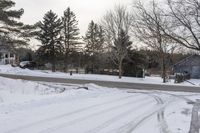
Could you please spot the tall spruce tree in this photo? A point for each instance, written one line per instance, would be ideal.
(94, 40)
(15, 32)
(70, 35)
(49, 35)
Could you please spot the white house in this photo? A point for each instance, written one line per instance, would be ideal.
(6, 56)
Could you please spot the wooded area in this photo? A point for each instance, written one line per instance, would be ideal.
(126, 42)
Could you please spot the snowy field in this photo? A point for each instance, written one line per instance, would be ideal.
(32, 107)
(7, 69)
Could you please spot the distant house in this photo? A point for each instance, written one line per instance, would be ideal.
(7, 56)
(189, 65)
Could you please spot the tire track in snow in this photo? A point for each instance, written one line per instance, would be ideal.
(160, 112)
(160, 116)
(131, 126)
(68, 114)
(195, 118)
(68, 123)
(177, 96)
(117, 118)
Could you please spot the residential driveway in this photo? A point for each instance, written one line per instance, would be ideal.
(138, 86)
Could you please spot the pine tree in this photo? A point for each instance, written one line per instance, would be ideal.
(94, 40)
(49, 35)
(70, 35)
(120, 50)
(15, 32)
(8, 17)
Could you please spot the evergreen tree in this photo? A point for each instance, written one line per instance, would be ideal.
(94, 40)
(49, 35)
(120, 49)
(135, 63)
(70, 35)
(8, 17)
(15, 32)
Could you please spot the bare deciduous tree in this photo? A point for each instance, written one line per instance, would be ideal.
(148, 27)
(185, 22)
(114, 22)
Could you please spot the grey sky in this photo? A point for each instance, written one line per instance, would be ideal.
(85, 10)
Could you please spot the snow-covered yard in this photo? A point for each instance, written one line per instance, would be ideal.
(32, 107)
(7, 69)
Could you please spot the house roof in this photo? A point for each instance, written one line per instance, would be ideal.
(189, 60)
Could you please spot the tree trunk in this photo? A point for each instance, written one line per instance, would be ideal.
(93, 63)
(66, 62)
(67, 43)
(53, 67)
(53, 58)
(120, 69)
(163, 68)
(53, 63)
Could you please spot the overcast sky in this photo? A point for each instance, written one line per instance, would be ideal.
(85, 10)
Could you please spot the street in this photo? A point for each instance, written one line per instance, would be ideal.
(110, 84)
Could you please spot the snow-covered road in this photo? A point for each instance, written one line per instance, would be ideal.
(31, 107)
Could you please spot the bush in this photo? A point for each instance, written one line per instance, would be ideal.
(180, 77)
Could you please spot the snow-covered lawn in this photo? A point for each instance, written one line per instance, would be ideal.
(32, 107)
(7, 69)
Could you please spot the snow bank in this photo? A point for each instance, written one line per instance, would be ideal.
(26, 87)
(11, 90)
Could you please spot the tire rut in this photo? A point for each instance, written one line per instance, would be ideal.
(65, 124)
(131, 126)
(116, 118)
(67, 114)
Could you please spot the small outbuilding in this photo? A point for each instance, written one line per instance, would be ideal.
(190, 66)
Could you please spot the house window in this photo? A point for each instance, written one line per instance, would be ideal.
(6, 55)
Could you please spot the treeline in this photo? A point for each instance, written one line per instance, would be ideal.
(139, 59)
(163, 28)
(61, 43)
